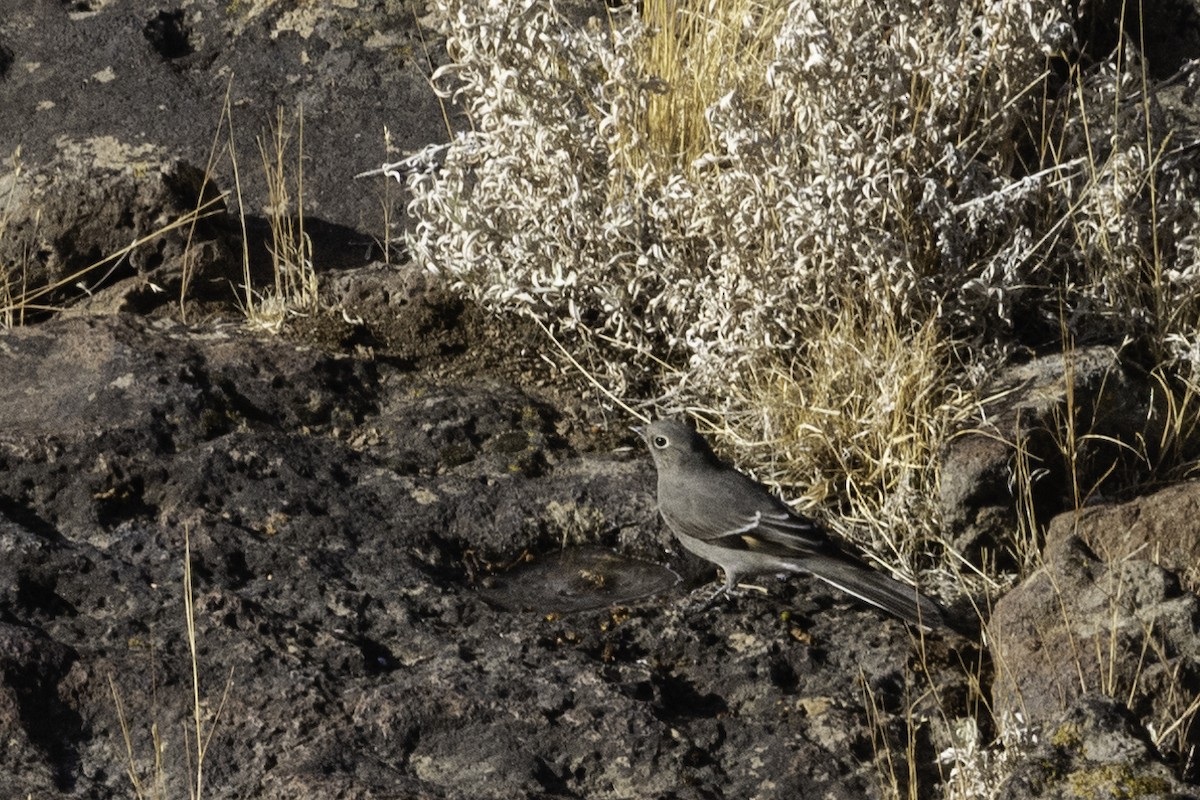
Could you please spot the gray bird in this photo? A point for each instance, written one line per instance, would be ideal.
(730, 520)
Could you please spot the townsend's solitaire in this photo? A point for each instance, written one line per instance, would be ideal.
(726, 518)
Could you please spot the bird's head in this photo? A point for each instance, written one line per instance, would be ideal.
(674, 443)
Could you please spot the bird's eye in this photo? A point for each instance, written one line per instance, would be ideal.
(660, 442)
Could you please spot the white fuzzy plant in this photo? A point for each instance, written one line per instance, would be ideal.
(835, 184)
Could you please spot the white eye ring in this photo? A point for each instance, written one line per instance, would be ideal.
(661, 442)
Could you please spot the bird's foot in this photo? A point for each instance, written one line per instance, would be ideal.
(706, 597)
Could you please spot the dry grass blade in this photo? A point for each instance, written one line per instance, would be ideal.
(295, 279)
(131, 767)
(189, 255)
(203, 724)
(203, 737)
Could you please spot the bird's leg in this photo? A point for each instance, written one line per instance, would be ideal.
(727, 590)
(704, 597)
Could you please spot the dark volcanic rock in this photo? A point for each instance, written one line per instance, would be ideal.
(1092, 749)
(1081, 627)
(145, 73)
(1163, 527)
(343, 516)
(1088, 400)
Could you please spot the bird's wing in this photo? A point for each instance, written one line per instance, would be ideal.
(741, 514)
(780, 533)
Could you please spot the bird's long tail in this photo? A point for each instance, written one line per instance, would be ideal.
(898, 599)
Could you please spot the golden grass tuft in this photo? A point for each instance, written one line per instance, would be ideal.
(294, 290)
(858, 419)
(699, 51)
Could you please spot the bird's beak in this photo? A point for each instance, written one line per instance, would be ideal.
(639, 430)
